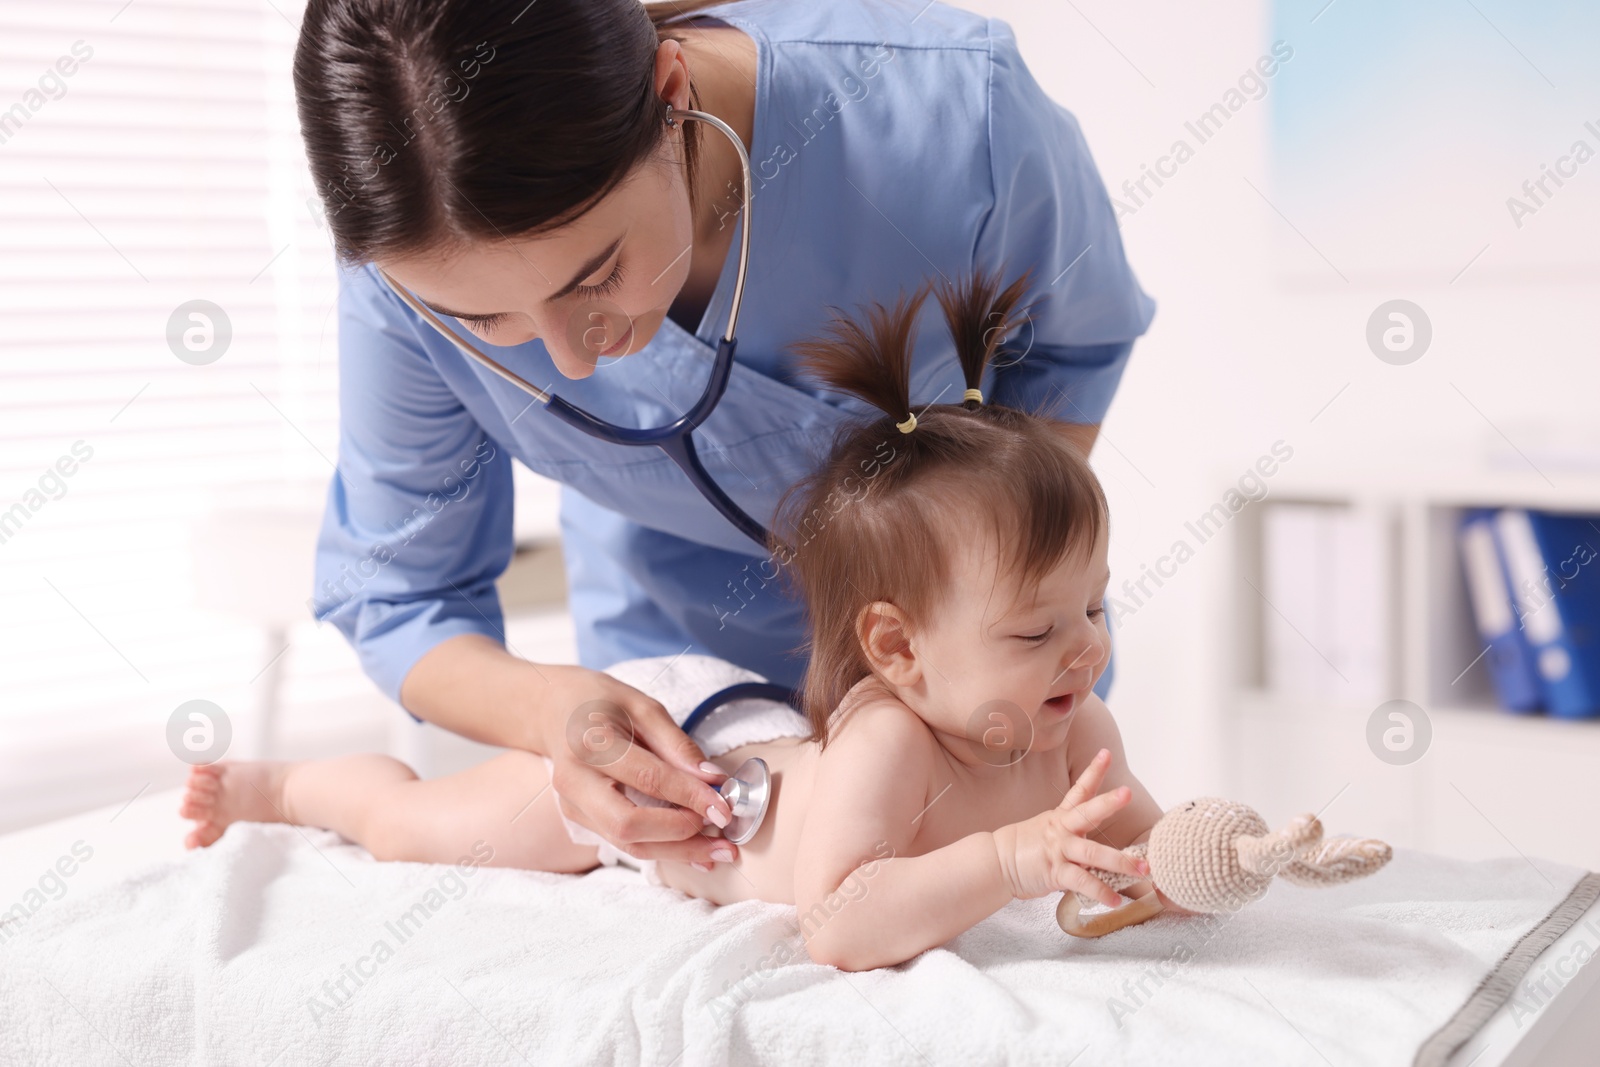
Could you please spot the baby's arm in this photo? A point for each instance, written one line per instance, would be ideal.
(861, 901)
(1093, 728)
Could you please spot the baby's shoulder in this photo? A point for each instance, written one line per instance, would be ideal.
(1093, 728)
(874, 722)
(875, 774)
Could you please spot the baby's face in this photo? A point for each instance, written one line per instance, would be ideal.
(1007, 675)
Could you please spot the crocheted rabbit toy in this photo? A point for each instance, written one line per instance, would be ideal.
(1212, 855)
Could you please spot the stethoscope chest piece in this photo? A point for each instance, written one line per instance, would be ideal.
(748, 791)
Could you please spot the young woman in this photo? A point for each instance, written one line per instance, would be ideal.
(516, 167)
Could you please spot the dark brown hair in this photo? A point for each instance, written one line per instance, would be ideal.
(432, 121)
(844, 548)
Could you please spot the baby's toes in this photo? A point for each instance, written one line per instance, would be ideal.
(203, 836)
(200, 796)
(196, 807)
(197, 798)
(205, 778)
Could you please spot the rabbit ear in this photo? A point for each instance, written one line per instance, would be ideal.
(1268, 854)
(1341, 859)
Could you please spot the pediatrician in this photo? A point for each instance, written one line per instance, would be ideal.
(516, 168)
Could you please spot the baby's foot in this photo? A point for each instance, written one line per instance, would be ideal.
(221, 794)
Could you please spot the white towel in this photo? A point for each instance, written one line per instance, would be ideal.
(234, 954)
(681, 683)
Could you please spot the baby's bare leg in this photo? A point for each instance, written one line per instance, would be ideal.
(378, 802)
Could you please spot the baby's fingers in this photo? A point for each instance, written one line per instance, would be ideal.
(1072, 878)
(1089, 781)
(1089, 853)
(1091, 813)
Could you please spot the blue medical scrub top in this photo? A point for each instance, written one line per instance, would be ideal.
(892, 142)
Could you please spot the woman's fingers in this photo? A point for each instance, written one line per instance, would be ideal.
(621, 736)
(694, 849)
(652, 776)
(601, 807)
(700, 849)
(616, 736)
(682, 780)
(659, 733)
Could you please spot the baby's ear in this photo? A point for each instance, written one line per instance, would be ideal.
(884, 634)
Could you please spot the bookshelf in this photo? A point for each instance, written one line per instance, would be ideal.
(1487, 783)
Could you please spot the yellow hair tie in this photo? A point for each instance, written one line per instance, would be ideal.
(972, 394)
(909, 425)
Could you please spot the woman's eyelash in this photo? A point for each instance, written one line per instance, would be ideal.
(607, 286)
(489, 322)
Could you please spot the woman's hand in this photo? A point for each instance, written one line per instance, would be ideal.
(1049, 852)
(601, 734)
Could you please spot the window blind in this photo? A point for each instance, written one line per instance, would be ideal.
(149, 157)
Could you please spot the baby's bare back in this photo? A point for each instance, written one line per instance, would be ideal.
(956, 801)
(765, 868)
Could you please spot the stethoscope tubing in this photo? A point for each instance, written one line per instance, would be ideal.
(674, 438)
(740, 691)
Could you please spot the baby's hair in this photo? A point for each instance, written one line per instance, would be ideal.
(866, 525)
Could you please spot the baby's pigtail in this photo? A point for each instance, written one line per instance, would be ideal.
(979, 318)
(871, 363)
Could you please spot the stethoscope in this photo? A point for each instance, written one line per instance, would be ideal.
(749, 789)
(674, 438)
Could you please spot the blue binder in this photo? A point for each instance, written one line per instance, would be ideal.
(1508, 658)
(1554, 565)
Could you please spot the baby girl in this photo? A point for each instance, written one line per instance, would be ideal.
(953, 564)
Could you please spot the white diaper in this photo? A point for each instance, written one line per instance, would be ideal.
(681, 683)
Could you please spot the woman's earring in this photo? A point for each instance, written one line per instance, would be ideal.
(670, 120)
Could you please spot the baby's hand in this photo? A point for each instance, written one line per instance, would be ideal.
(1048, 853)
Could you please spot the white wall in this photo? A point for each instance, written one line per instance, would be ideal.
(1255, 334)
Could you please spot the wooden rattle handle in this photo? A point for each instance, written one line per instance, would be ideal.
(1130, 914)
